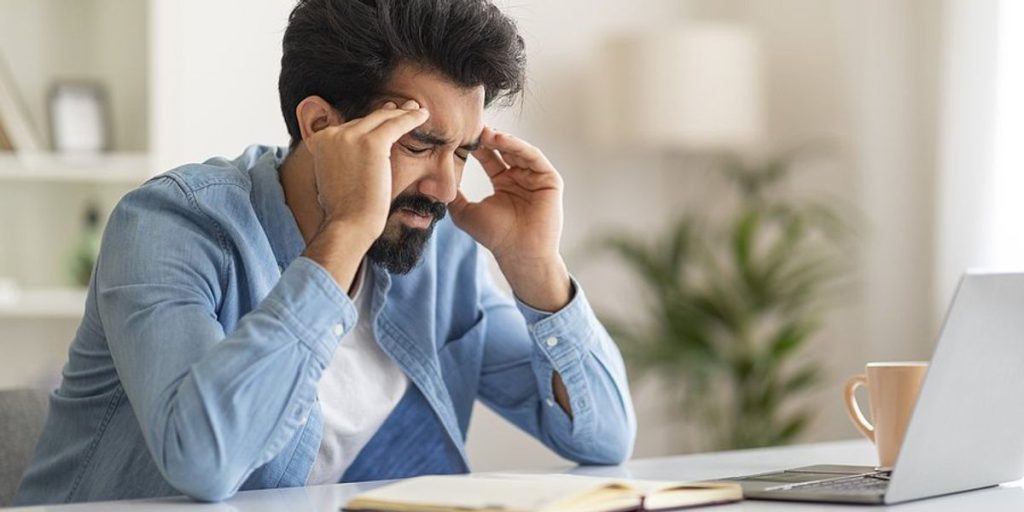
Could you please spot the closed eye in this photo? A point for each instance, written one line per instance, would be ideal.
(415, 150)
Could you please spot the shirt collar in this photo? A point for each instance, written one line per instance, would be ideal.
(274, 215)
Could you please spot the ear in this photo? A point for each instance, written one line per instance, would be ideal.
(314, 114)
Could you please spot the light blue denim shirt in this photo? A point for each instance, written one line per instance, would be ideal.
(195, 367)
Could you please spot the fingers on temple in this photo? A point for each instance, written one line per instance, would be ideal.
(491, 161)
(517, 152)
(391, 122)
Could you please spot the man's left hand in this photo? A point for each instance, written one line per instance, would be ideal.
(521, 222)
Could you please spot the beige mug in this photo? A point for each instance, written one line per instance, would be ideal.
(892, 393)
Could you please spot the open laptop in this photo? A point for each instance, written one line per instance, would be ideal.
(967, 428)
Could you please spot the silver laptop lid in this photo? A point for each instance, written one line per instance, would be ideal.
(967, 430)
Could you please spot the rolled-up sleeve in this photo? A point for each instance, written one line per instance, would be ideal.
(212, 406)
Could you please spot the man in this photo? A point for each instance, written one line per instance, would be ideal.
(324, 314)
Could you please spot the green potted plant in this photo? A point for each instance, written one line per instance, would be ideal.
(732, 303)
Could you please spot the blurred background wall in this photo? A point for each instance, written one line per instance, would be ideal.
(886, 83)
(860, 74)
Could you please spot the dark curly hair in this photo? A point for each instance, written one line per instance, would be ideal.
(345, 50)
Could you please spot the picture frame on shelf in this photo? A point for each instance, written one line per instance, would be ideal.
(79, 117)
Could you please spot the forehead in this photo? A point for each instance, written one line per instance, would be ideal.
(456, 112)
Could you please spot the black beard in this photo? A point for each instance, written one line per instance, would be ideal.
(400, 255)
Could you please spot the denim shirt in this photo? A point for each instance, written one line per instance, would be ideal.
(205, 332)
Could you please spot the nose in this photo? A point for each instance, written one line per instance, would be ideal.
(441, 182)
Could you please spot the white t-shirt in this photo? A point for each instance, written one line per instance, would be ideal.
(358, 390)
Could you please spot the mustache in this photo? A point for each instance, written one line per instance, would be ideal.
(420, 204)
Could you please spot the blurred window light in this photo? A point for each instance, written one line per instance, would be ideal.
(1005, 237)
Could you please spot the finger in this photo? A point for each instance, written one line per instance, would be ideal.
(535, 181)
(463, 213)
(458, 206)
(517, 152)
(392, 129)
(490, 160)
(371, 121)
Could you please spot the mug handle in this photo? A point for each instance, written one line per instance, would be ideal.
(853, 410)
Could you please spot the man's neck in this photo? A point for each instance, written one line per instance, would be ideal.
(299, 184)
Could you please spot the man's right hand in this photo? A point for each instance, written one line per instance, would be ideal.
(352, 167)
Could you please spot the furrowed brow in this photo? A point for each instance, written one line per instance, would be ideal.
(428, 138)
(436, 140)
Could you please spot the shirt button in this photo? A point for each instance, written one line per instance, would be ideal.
(551, 341)
(338, 330)
(550, 402)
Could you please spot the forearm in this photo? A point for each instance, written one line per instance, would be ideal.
(541, 283)
(339, 247)
(244, 400)
(561, 394)
(581, 363)
(569, 347)
(214, 406)
(588, 382)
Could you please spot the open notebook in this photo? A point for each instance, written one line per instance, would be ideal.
(538, 493)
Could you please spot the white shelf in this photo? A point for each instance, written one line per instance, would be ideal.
(119, 168)
(53, 303)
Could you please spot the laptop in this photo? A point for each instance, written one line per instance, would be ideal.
(967, 428)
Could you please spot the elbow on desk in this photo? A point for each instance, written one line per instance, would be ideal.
(605, 449)
(203, 486)
(201, 471)
(613, 443)
(610, 453)
(601, 453)
(196, 458)
(604, 459)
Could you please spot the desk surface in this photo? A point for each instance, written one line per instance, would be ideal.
(329, 498)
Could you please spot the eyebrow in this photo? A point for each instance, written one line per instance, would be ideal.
(428, 137)
(437, 140)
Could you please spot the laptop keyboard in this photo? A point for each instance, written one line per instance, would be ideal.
(861, 485)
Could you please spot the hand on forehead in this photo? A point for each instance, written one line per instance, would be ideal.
(456, 112)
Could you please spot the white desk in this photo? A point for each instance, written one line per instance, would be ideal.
(329, 498)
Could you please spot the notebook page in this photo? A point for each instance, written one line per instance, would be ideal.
(478, 492)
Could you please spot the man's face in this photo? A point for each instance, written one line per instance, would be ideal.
(427, 163)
